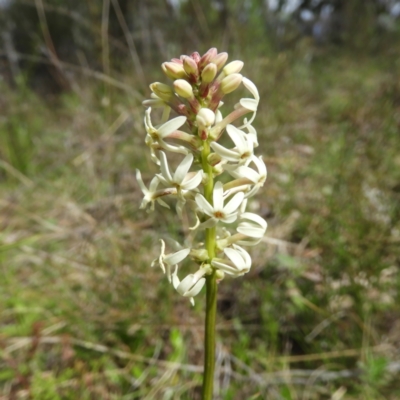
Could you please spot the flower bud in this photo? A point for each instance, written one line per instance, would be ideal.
(219, 60)
(213, 159)
(162, 90)
(207, 57)
(230, 83)
(208, 73)
(174, 70)
(199, 254)
(190, 66)
(205, 117)
(196, 57)
(233, 67)
(219, 275)
(183, 89)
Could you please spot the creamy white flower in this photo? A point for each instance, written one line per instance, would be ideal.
(252, 226)
(191, 285)
(244, 174)
(243, 150)
(151, 195)
(166, 261)
(181, 180)
(237, 264)
(218, 212)
(156, 135)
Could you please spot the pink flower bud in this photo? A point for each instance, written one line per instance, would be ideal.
(174, 70)
(176, 60)
(207, 57)
(190, 66)
(196, 57)
(183, 89)
(219, 60)
(209, 73)
(230, 83)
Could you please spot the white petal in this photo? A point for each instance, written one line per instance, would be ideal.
(244, 254)
(255, 218)
(171, 126)
(175, 279)
(223, 265)
(249, 104)
(243, 172)
(262, 168)
(140, 182)
(228, 219)
(186, 284)
(234, 203)
(204, 205)
(235, 257)
(195, 290)
(175, 258)
(164, 167)
(251, 87)
(251, 231)
(237, 137)
(183, 169)
(218, 199)
(193, 182)
(229, 155)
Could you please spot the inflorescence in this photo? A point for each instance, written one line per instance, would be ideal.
(212, 183)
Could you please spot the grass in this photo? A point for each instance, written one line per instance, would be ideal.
(82, 314)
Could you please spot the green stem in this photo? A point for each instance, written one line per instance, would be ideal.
(211, 289)
(209, 339)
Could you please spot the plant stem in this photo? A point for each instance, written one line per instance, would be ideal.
(209, 339)
(211, 289)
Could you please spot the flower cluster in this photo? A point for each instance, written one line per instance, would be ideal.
(214, 181)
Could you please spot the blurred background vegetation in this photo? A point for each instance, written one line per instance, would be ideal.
(82, 315)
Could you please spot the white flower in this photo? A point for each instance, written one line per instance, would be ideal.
(248, 175)
(156, 135)
(167, 261)
(181, 180)
(243, 150)
(250, 104)
(217, 212)
(191, 285)
(238, 264)
(152, 194)
(252, 226)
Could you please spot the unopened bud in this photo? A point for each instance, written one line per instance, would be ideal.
(214, 159)
(190, 66)
(208, 73)
(219, 275)
(233, 67)
(183, 88)
(205, 117)
(174, 70)
(199, 254)
(207, 57)
(230, 83)
(162, 90)
(196, 57)
(219, 60)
